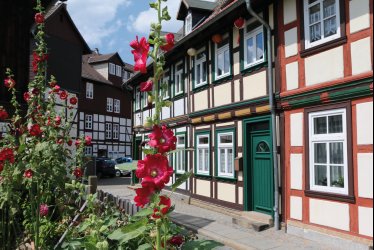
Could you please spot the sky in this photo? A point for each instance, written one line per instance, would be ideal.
(110, 25)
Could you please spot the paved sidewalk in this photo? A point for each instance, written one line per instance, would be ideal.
(219, 227)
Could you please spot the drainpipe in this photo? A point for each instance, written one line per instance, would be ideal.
(273, 111)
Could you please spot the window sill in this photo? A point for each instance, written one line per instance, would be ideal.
(200, 88)
(203, 176)
(226, 179)
(223, 79)
(323, 47)
(254, 68)
(178, 96)
(330, 196)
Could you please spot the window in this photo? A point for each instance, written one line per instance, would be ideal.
(203, 154)
(188, 24)
(109, 104)
(200, 68)
(116, 131)
(223, 58)
(328, 151)
(137, 99)
(165, 85)
(118, 71)
(108, 131)
(180, 156)
(179, 80)
(88, 122)
(117, 106)
(89, 90)
(254, 46)
(145, 99)
(88, 151)
(225, 154)
(322, 21)
(112, 69)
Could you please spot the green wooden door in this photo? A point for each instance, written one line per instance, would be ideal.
(262, 173)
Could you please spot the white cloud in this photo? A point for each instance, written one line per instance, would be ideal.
(96, 19)
(142, 23)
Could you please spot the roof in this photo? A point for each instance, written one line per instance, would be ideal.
(195, 4)
(95, 58)
(89, 72)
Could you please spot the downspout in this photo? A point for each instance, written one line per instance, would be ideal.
(273, 111)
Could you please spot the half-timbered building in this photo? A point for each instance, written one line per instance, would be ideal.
(105, 108)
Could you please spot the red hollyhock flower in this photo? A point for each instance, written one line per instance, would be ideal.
(39, 18)
(73, 101)
(56, 89)
(165, 202)
(58, 120)
(146, 86)
(26, 96)
(155, 171)
(78, 142)
(167, 47)
(3, 114)
(88, 140)
(63, 95)
(143, 196)
(7, 154)
(60, 141)
(163, 139)
(52, 84)
(34, 130)
(9, 83)
(169, 38)
(78, 173)
(43, 210)
(177, 240)
(35, 91)
(28, 174)
(70, 142)
(140, 52)
(1, 167)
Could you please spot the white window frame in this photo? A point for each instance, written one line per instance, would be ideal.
(166, 79)
(117, 106)
(89, 90)
(307, 6)
(145, 99)
(108, 130)
(138, 99)
(180, 156)
(112, 69)
(204, 147)
(201, 82)
(179, 75)
(109, 104)
(253, 34)
(116, 131)
(219, 51)
(88, 151)
(226, 147)
(328, 138)
(118, 70)
(188, 24)
(88, 122)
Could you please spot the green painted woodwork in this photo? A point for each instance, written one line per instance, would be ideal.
(220, 131)
(207, 132)
(185, 156)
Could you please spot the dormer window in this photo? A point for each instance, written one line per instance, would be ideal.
(188, 24)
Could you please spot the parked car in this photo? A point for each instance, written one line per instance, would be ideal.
(123, 160)
(105, 167)
(120, 173)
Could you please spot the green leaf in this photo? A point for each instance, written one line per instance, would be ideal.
(144, 213)
(181, 180)
(145, 247)
(201, 244)
(130, 231)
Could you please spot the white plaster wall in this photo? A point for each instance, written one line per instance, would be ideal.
(359, 15)
(297, 129)
(165, 113)
(324, 67)
(365, 175)
(291, 42)
(361, 56)
(235, 38)
(102, 69)
(236, 61)
(226, 192)
(222, 94)
(330, 214)
(254, 85)
(296, 204)
(289, 11)
(240, 133)
(292, 75)
(241, 194)
(201, 100)
(179, 107)
(237, 91)
(365, 217)
(203, 188)
(297, 171)
(365, 123)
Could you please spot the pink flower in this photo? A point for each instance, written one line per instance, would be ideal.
(3, 114)
(78, 173)
(140, 52)
(88, 140)
(163, 139)
(28, 174)
(9, 83)
(143, 196)
(169, 38)
(26, 96)
(43, 210)
(146, 86)
(73, 101)
(63, 95)
(58, 120)
(39, 18)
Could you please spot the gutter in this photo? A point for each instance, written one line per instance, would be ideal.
(273, 111)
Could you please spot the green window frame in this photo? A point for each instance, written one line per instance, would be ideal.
(180, 157)
(179, 73)
(199, 60)
(222, 153)
(203, 153)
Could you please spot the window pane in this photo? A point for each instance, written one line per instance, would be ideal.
(315, 14)
(335, 124)
(320, 153)
(222, 161)
(260, 46)
(198, 71)
(220, 65)
(315, 32)
(181, 140)
(203, 140)
(206, 166)
(337, 176)
(201, 163)
(336, 153)
(320, 173)
(329, 8)
(320, 125)
(204, 71)
(227, 61)
(330, 26)
(230, 158)
(250, 51)
(226, 139)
